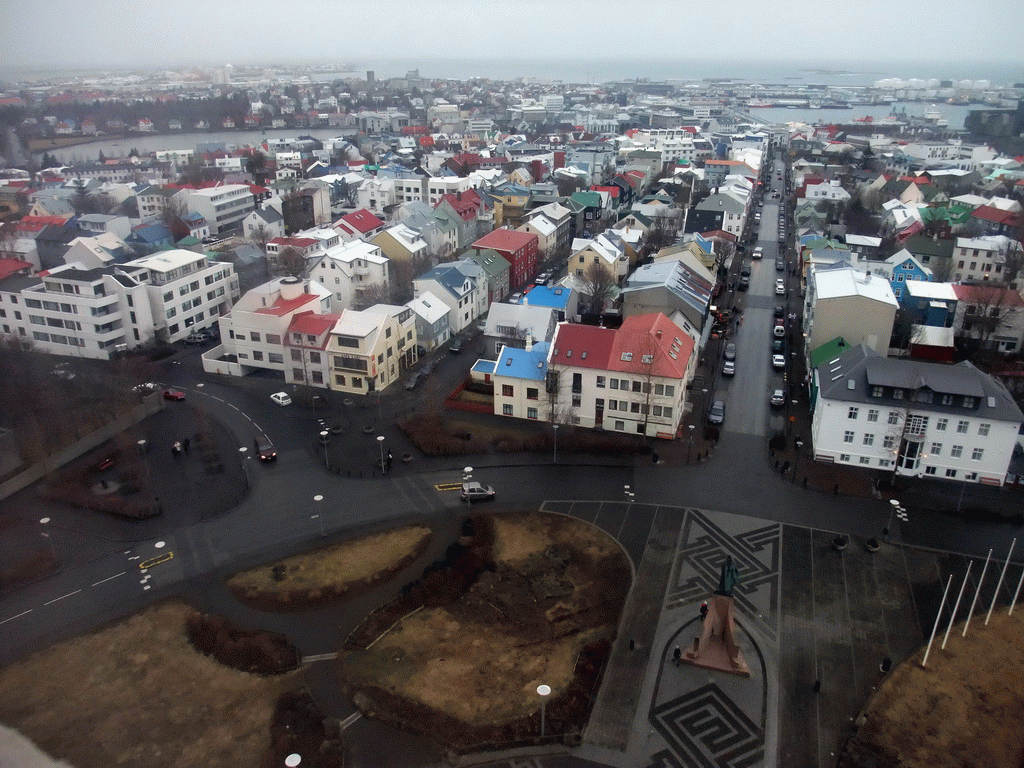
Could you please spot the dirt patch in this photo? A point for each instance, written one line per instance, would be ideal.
(326, 575)
(141, 695)
(964, 709)
(248, 650)
(466, 672)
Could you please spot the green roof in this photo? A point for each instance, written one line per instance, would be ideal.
(926, 246)
(589, 199)
(185, 242)
(828, 351)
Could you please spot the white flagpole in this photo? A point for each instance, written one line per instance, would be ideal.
(995, 594)
(976, 593)
(957, 606)
(924, 661)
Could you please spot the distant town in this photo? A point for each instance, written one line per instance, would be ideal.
(425, 210)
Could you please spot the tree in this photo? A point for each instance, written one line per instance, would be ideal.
(992, 305)
(942, 268)
(375, 293)
(82, 199)
(261, 235)
(174, 211)
(101, 158)
(290, 262)
(597, 283)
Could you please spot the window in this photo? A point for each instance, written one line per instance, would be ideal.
(950, 473)
(296, 355)
(888, 441)
(314, 357)
(531, 413)
(969, 402)
(634, 407)
(977, 453)
(929, 470)
(872, 414)
(600, 382)
(257, 355)
(532, 393)
(848, 436)
(961, 428)
(936, 449)
(275, 357)
(253, 336)
(894, 417)
(620, 426)
(506, 409)
(576, 401)
(297, 374)
(852, 413)
(636, 386)
(957, 451)
(507, 390)
(941, 425)
(983, 430)
(844, 457)
(869, 439)
(916, 425)
(865, 459)
(877, 391)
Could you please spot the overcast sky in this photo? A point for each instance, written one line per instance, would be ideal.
(47, 34)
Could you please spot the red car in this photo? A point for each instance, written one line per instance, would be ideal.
(173, 394)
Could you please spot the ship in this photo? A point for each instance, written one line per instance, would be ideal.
(758, 103)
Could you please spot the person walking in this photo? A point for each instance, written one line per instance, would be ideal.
(677, 655)
(704, 610)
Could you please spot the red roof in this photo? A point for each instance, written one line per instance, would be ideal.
(721, 234)
(613, 191)
(30, 224)
(362, 221)
(10, 267)
(312, 324)
(284, 306)
(582, 346)
(466, 204)
(997, 215)
(988, 295)
(505, 240)
(919, 180)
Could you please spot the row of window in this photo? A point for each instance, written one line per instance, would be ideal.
(917, 424)
(935, 448)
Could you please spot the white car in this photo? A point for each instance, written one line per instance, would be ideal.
(758, 253)
(779, 362)
(780, 287)
(281, 398)
(729, 368)
(475, 491)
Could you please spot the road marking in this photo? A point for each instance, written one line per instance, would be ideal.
(16, 617)
(448, 486)
(350, 719)
(319, 657)
(156, 561)
(122, 573)
(69, 594)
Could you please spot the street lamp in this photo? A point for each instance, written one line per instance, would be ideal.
(554, 458)
(244, 451)
(318, 498)
(325, 437)
(467, 476)
(689, 444)
(380, 442)
(543, 691)
(796, 459)
(899, 512)
(293, 760)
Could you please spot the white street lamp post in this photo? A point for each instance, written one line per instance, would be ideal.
(554, 458)
(380, 442)
(325, 436)
(467, 476)
(543, 691)
(318, 516)
(900, 513)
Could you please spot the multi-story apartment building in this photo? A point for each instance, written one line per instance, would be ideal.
(349, 270)
(912, 417)
(982, 259)
(223, 207)
(100, 311)
(370, 349)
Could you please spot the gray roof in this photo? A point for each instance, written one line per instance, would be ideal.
(852, 376)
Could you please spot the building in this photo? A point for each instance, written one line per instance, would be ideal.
(224, 207)
(913, 418)
(462, 285)
(358, 225)
(354, 273)
(842, 302)
(517, 325)
(631, 380)
(370, 349)
(432, 329)
(519, 250)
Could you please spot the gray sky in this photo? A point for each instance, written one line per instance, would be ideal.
(45, 34)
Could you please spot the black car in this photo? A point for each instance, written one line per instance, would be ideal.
(778, 346)
(780, 311)
(780, 265)
(455, 347)
(264, 448)
(744, 283)
(745, 270)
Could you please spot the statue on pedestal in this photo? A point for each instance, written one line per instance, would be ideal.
(716, 648)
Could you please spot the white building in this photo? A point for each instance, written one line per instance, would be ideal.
(843, 302)
(223, 207)
(981, 259)
(349, 270)
(462, 285)
(920, 419)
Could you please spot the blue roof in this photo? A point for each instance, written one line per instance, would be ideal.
(523, 364)
(555, 297)
(484, 366)
(151, 233)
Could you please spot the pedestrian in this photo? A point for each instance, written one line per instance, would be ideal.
(185, 444)
(677, 655)
(176, 449)
(704, 610)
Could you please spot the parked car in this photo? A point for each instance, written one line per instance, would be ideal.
(717, 413)
(414, 379)
(730, 351)
(779, 311)
(779, 331)
(744, 283)
(745, 270)
(729, 368)
(474, 491)
(780, 265)
(146, 388)
(778, 399)
(758, 253)
(455, 347)
(198, 338)
(515, 298)
(779, 362)
(173, 394)
(62, 371)
(780, 287)
(281, 398)
(103, 464)
(778, 346)
(264, 448)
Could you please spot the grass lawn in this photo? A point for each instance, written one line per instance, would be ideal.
(139, 694)
(330, 572)
(964, 709)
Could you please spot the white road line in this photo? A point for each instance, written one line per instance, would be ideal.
(69, 594)
(350, 719)
(319, 657)
(122, 573)
(16, 617)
